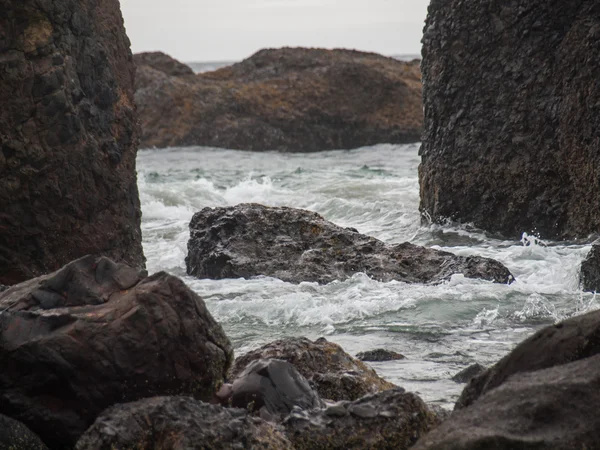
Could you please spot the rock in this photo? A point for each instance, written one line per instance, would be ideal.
(391, 419)
(512, 112)
(68, 137)
(16, 436)
(379, 354)
(97, 333)
(161, 62)
(551, 408)
(464, 376)
(334, 374)
(273, 388)
(571, 340)
(295, 245)
(173, 423)
(289, 99)
(590, 270)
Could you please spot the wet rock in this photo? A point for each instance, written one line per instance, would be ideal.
(465, 375)
(512, 112)
(289, 99)
(333, 373)
(161, 62)
(590, 270)
(391, 419)
(571, 340)
(295, 245)
(172, 423)
(68, 137)
(16, 436)
(551, 408)
(97, 333)
(379, 355)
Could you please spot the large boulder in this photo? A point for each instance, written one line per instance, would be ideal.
(512, 112)
(571, 340)
(174, 423)
(390, 420)
(16, 436)
(334, 374)
(289, 99)
(589, 275)
(96, 333)
(68, 137)
(552, 408)
(295, 245)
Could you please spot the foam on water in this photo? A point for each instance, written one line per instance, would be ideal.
(441, 329)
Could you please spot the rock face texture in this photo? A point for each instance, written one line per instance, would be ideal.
(289, 99)
(296, 245)
(96, 333)
(68, 137)
(334, 374)
(16, 436)
(512, 112)
(551, 408)
(173, 423)
(589, 275)
(160, 62)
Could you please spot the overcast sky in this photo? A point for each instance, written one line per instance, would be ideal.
(214, 30)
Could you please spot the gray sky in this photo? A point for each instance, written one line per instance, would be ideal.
(212, 30)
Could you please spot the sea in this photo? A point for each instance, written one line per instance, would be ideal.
(441, 329)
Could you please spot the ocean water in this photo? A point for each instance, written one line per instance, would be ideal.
(440, 329)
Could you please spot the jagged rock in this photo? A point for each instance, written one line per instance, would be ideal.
(551, 408)
(96, 333)
(465, 375)
(379, 354)
(333, 373)
(512, 112)
(161, 62)
(295, 245)
(173, 423)
(571, 340)
(272, 388)
(590, 270)
(16, 436)
(68, 137)
(289, 99)
(391, 420)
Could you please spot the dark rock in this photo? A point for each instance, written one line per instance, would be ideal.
(271, 387)
(568, 341)
(391, 419)
(378, 355)
(289, 99)
(333, 373)
(163, 63)
(68, 137)
(96, 333)
(295, 245)
(590, 270)
(464, 376)
(512, 113)
(16, 436)
(551, 408)
(173, 423)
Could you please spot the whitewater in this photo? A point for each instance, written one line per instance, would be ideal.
(440, 329)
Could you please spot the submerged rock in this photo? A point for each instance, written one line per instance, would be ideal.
(334, 374)
(590, 270)
(512, 113)
(288, 99)
(68, 137)
(379, 354)
(464, 376)
(295, 245)
(97, 333)
(551, 408)
(174, 423)
(16, 436)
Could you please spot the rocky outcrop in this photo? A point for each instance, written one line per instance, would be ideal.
(571, 340)
(390, 420)
(334, 374)
(512, 112)
(16, 436)
(589, 275)
(551, 408)
(289, 99)
(295, 245)
(172, 423)
(68, 137)
(162, 63)
(96, 333)
(467, 374)
(379, 355)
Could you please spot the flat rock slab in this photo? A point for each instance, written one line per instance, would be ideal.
(296, 245)
(379, 355)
